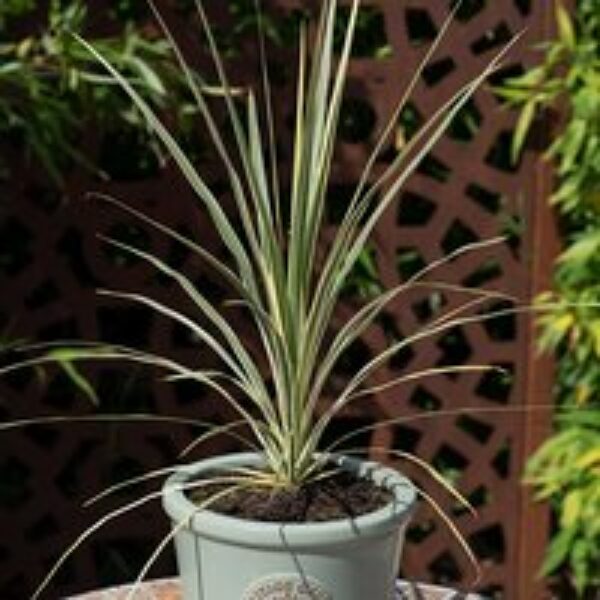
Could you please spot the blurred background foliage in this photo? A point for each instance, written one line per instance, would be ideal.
(51, 87)
(566, 469)
(59, 109)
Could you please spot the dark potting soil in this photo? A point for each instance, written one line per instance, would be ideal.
(338, 496)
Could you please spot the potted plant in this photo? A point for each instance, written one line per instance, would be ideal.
(289, 286)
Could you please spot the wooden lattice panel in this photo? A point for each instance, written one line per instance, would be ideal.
(52, 261)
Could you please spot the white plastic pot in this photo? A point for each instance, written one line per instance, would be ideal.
(226, 558)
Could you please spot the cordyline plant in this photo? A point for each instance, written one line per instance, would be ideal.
(289, 290)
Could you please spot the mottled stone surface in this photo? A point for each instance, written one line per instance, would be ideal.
(168, 589)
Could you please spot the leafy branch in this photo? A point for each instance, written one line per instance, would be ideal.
(50, 86)
(564, 468)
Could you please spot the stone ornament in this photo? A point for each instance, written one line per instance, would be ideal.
(286, 587)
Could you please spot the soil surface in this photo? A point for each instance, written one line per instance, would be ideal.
(338, 496)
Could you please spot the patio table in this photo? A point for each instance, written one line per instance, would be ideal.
(169, 589)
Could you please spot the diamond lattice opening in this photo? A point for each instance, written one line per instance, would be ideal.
(420, 28)
(425, 400)
(496, 385)
(489, 544)
(439, 70)
(492, 38)
(414, 210)
(457, 235)
(490, 201)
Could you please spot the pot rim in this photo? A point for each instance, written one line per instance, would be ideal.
(216, 526)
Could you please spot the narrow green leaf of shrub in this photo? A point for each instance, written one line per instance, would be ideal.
(566, 30)
(76, 377)
(522, 129)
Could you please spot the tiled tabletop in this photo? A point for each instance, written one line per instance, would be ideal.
(168, 589)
